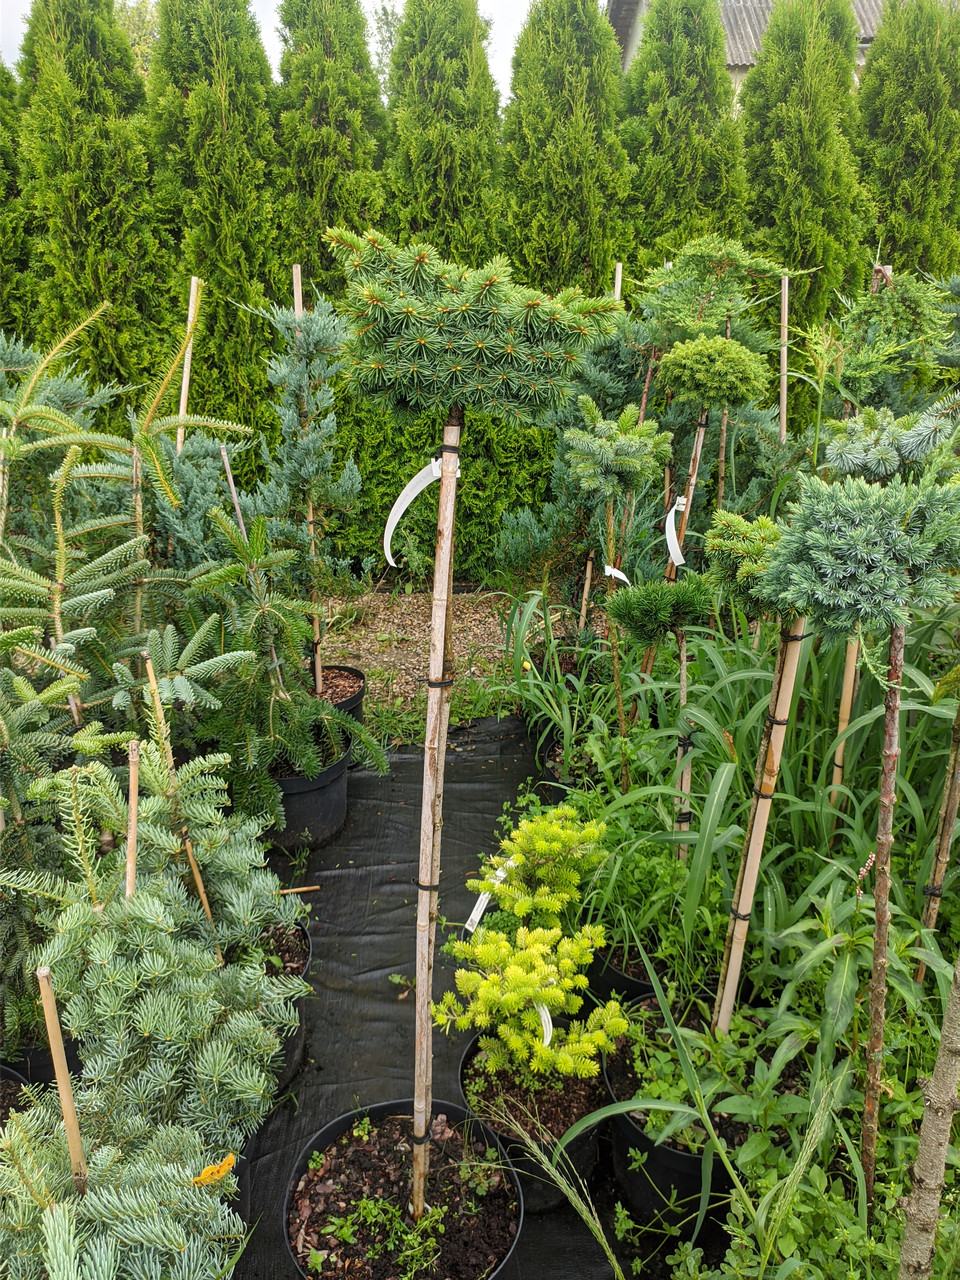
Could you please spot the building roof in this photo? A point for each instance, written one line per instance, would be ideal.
(744, 22)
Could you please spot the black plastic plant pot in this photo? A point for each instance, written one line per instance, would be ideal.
(549, 785)
(606, 981)
(34, 1063)
(457, 1116)
(8, 1073)
(315, 808)
(540, 1195)
(294, 1044)
(352, 705)
(662, 1188)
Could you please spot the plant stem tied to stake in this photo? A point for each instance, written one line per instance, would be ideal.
(64, 1087)
(431, 814)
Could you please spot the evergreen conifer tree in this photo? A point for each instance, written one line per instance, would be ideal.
(441, 171)
(680, 133)
(14, 308)
(210, 122)
(910, 106)
(805, 199)
(85, 181)
(565, 172)
(331, 125)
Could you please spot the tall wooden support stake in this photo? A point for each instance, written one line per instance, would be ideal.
(850, 660)
(133, 806)
(64, 1087)
(784, 310)
(881, 903)
(921, 1208)
(187, 358)
(439, 681)
(618, 280)
(683, 750)
(768, 770)
(949, 805)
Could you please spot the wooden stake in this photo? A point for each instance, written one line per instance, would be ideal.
(133, 805)
(683, 751)
(304, 888)
(881, 905)
(440, 677)
(766, 784)
(850, 660)
(585, 602)
(187, 359)
(297, 290)
(175, 792)
(949, 805)
(64, 1086)
(233, 491)
(618, 280)
(784, 311)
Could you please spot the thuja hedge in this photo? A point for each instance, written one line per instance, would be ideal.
(503, 467)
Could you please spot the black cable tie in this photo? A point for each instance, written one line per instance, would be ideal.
(788, 637)
(738, 915)
(774, 720)
(762, 795)
(686, 816)
(434, 684)
(933, 890)
(427, 888)
(421, 1141)
(449, 448)
(316, 645)
(684, 740)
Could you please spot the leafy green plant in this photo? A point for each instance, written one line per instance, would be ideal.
(413, 1248)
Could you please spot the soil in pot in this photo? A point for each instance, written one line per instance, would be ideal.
(288, 950)
(345, 687)
(554, 1110)
(10, 1085)
(344, 1210)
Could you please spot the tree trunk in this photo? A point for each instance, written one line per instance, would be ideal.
(440, 677)
(945, 827)
(768, 769)
(921, 1208)
(846, 705)
(683, 749)
(881, 899)
(614, 640)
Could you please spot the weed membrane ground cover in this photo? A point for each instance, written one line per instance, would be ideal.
(359, 1035)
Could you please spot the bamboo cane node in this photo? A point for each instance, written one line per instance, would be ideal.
(933, 890)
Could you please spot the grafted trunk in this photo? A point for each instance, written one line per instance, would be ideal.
(881, 898)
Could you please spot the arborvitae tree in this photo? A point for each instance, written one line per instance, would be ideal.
(441, 172)
(331, 125)
(910, 108)
(565, 172)
(138, 20)
(85, 180)
(680, 133)
(13, 253)
(805, 200)
(211, 128)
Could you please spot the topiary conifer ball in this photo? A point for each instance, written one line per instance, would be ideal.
(714, 371)
(649, 611)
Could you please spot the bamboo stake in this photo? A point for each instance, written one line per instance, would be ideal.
(683, 751)
(132, 814)
(233, 491)
(585, 602)
(440, 677)
(742, 905)
(784, 309)
(671, 573)
(949, 805)
(722, 444)
(175, 793)
(617, 280)
(881, 902)
(64, 1087)
(187, 360)
(304, 888)
(843, 720)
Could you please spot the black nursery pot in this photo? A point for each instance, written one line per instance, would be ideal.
(8, 1073)
(352, 706)
(34, 1063)
(294, 1045)
(315, 808)
(666, 1175)
(539, 1194)
(455, 1114)
(606, 980)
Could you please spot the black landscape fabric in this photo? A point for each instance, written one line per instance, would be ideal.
(359, 1035)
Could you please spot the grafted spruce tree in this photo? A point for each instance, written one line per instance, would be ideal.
(85, 183)
(441, 170)
(211, 131)
(565, 172)
(429, 334)
(679, 132)
(332, 125)
(805, 200)
(910, 109)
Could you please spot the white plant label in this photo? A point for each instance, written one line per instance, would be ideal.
(476, 915)
(424, 477)
(546, 1022)
(673, 544)
(610, 572)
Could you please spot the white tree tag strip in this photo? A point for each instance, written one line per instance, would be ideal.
(424, 477)
(610, 572)
(673, 544)
(546, 1022)
(476, 915)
